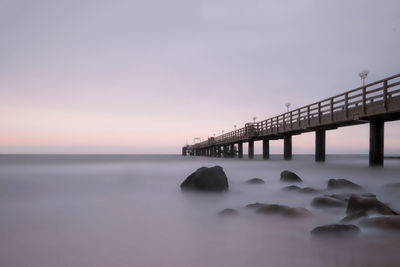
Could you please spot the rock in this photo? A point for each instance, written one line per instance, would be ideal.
(346, 196)
(354, 216)
(255, 205)
(288, 176)
(327, 202)
(272, 209)
(356, 204)
(255, 181)
(336, 230)
(292, 188)
(341, 184)
(228, 212)
(206, 179)
(308, 190)
(383, 222)
(297, 213)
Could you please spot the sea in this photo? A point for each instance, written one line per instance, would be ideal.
(129, 210)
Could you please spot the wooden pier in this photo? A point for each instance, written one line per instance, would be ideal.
(374, 103)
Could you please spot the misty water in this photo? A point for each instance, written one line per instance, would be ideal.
(111, 210)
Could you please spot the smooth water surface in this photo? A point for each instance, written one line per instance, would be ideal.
(128, 210)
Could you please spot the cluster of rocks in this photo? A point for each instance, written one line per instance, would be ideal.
(358, 204)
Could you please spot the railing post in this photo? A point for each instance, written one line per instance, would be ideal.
(331, 109)
(319, 112)
(298, 117)
(346, 102)
(291, 119)
(308, 115)
(364, 100)
(284, 121)
(385, 86)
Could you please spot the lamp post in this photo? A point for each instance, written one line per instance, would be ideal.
(363, 75)
(234, 126)
(287, 106)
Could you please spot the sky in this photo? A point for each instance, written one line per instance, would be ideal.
(149, 76)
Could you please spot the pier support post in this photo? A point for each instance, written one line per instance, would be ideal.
(265, 149)
(184, 151)
(320, 141)
(219, 151)
(287, 147)
(240, 150)
(376, 142)
(213, 152)
(232, 150)
(225, 152)
(251, 149)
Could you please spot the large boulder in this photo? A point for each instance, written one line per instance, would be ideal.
(255, 181)
(206, 179)
(272, 209)
(288, 176)
(383, 222)
(336, 230)
(368, 204)
(327, 201)
(342, 184)
(297, 212)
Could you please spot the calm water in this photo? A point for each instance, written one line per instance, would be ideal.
(76, 210)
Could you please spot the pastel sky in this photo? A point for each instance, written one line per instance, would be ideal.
(145, 76)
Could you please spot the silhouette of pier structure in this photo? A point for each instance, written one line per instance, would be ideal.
(374, 103)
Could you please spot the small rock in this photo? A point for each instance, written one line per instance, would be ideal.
(292, 188)
(272, 209)
(383, 222)
(297, 213)
(228, 212)
(346, 196)
(327, 202)
(354, 216)
(336, 230)
(368, 205)
(255, 205)
(255, 181)
(288, 176)
(308, 190)
(341, 184)
(206, 179)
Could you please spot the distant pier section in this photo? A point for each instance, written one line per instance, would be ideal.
(374, 103)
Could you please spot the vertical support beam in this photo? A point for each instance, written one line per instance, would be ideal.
(219, 151)
(265, 149)
(346, 105)
(320, 140)
(225, 152)
(385, 93)
(376, 142)
(287, 147)
(240, 150)
(331, 107)
(184, 151)
(251, 149)
(232, 150)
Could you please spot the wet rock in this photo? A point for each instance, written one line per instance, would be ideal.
(354, 216)
(346, 196)
(292, 188)
(297, 213)
(228, 212)
(336, 230)
(327, 202)
(368, 205)
(206, 179)
(255, 181)
(255, 205)
(383, 222)
(288, 176)
(342, 184)
(308, 190)
(272, 209)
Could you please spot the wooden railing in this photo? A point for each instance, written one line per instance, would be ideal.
(360, 98)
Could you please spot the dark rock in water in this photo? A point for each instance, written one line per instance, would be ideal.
(341, 184)
(206, 179)
(288, 176)
(255, 181)
(336, 230)
(327, 202)
(228, 212)
(272, 209)
(383, 222)
(346, 196)
(354, 216)
(308, 190)
(292, 188)
(368, 205)
(297, 213)
(255, 205)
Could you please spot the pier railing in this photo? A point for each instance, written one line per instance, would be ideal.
(371, 99)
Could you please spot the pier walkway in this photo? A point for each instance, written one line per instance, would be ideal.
(375, 103)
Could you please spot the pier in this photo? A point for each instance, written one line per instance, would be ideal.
(375, 103)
